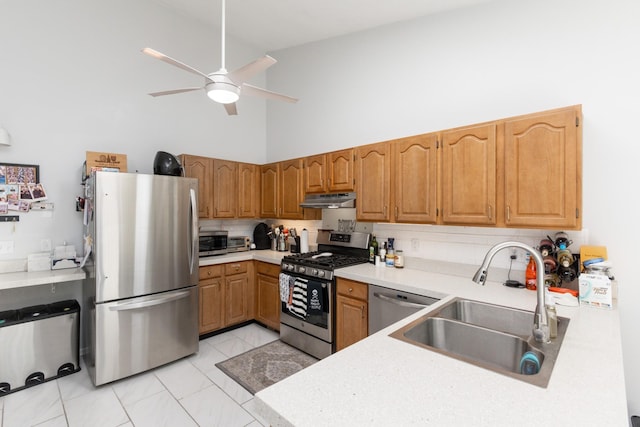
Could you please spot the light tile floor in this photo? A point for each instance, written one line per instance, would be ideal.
(188, 392)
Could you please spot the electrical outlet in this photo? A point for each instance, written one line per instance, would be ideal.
(415, 244)
(45, 245)
(6, 247)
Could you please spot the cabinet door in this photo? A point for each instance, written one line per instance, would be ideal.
(211, 305)
(340, 170)
(315, 180)
(373, 187)
(469, 175)
(269, 190)
(237, 299)
(543, 157)
(415, 176)
(224, 188)
(290, 189)
(200, 168)
(268, 304)
(351, 321)
(248, 188)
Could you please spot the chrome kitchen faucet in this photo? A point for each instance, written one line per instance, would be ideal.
(540, 320)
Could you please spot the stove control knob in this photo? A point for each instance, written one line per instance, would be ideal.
(314, 272)
(301, 269)
(320, 273)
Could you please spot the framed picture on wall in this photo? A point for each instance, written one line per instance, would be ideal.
(13, 173)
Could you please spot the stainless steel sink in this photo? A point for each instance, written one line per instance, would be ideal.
(486, 335)
(497, 317)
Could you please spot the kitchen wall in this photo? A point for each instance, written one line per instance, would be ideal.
(73, 79)
(495, 60)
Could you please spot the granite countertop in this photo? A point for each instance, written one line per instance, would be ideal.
(383, 381)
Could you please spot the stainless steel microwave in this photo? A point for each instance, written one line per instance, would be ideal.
(213, 242)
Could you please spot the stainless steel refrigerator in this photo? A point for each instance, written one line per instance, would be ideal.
(141, 295)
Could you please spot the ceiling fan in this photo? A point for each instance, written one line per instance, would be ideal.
(221, 86)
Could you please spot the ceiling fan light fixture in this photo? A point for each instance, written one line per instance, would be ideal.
(223, 93)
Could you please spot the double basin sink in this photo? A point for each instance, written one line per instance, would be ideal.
(490, 336)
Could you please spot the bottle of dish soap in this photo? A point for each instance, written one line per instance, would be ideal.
(530, 274)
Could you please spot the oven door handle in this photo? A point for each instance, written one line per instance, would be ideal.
(399, 302)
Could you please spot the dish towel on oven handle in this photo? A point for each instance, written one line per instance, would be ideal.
(298, 298)
(314, 298)
(285, 281)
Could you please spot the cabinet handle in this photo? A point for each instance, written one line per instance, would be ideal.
(362, 311)
(350, 290)
(490, 213)
(208, 273)
(384, 211)
(508, 214)
(396, 212)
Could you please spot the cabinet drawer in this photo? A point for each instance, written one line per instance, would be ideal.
(268, 269)
(235, 268)
(210, 271)
(353, 289)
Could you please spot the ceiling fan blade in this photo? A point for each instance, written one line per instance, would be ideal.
(168, 60)
(250, 90)
(244, 73)
(231, 109)
(174, 91)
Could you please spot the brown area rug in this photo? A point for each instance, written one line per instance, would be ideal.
(259, 368)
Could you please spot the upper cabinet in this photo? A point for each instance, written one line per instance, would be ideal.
(543, 169)
(329, 172)
(269, 190)
(200, 168)
(225, 188)
(248, 190)
(469, 192)
(415, 179)
(373, 182)
(290, 189)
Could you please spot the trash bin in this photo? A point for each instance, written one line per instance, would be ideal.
(38, 343)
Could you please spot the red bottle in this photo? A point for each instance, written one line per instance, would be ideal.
(530, 274)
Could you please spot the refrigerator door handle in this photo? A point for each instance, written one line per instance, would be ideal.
(149, 303)
(194, 229)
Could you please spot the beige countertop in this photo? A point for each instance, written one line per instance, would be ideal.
(383, 381)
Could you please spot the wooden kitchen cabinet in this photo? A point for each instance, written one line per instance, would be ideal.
(238, 292)
(225, 188)
(469, 192)
(290, 189)
(330, 172)
(269, 190)
(200, 168)
(415, 176)
(352, 312)
(543, 169)
(211, 298)
(248, 190)
(268, 294)
(226, 295)
(373, 182)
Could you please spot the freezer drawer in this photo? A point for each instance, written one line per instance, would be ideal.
(138, 334)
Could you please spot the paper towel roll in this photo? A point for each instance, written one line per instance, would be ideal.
(304, 241)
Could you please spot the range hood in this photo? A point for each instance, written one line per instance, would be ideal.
(329, 201)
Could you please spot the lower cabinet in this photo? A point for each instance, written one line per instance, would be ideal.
(226, 295)
(268, 294)
(352, 312)
(211, 298)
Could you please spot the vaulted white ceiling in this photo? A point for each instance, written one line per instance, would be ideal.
(278, 24)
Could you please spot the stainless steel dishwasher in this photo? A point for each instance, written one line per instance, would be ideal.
(387, 306)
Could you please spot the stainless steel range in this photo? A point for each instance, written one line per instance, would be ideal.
(307, 290)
